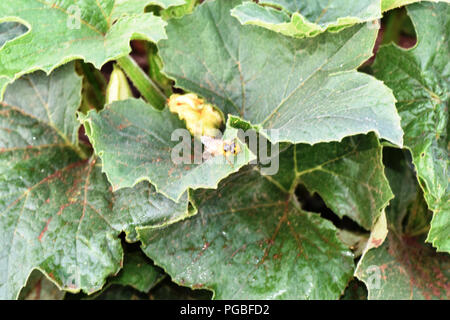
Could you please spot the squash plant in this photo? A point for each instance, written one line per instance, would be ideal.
(92, 200)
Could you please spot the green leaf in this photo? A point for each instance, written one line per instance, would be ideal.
(52, 101)
(134, 281)
(142, 205)
(135, 143)
(420, 78)
(392, 4)
(123, 7)
(86, 30)
(178, 11)
(306, 89)
(53, 208)
(52, 203)
(407, 212)
(349, 176)
(404, 267)
(307, 19)
(250, 240)
(56, 208)
(138, 272)
(39, 287)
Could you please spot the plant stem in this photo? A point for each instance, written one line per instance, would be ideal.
(148, 89)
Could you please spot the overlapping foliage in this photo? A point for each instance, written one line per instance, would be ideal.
(75, 174)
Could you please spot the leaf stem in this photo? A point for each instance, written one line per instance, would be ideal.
(148, 89)
(80, 152)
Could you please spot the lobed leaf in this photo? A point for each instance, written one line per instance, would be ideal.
(250, 240)
(57, 210)
(307, 19)
(304, 90)
(420, 78)
(404, 267)
(88, 30)
(142, 205)
(392, 4)
(349, 176)
(124, 7)
(135, 143)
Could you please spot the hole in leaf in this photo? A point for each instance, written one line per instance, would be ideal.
(314, 203)
(11, 30)
(397, 27)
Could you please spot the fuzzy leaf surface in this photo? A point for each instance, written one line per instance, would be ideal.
(57, 208)
(404, 266)
(87, 30)
(250, 240)
(392, 4)
(135, 143)
(142, 205)
(307, 90)
(348, 175)
(420, 78)
(307, 18)
(53, 203)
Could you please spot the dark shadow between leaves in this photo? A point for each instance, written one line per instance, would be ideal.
(314, 203)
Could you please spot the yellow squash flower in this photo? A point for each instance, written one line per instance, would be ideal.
(201, 118)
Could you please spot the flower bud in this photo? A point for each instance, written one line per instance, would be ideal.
(201, 118)
(118, 88)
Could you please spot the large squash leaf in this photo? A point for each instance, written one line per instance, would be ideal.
(135, 143)
(392, 4)
(250, 240)
(307, 18)
(56, 206)
(138, 6)
(404, 267)
(89, 30)
(306, 89)
(349, 176)
(420, 78)
(142, 205)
